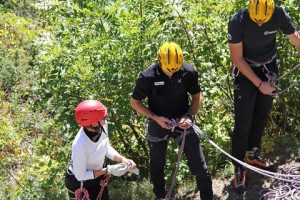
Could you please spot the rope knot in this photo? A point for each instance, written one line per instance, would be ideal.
(82, 194)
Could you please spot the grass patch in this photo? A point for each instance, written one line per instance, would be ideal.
(133, 190)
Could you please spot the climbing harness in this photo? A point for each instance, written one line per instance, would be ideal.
(277, 176)
(272, 77)
(289, 87)
(172, 126)
(283, 190)
(258, 64)
(234, 71)
(82, 193)
(157, 139)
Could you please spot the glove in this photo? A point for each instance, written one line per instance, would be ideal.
(117, 169)
(135, 171)
(130, 163)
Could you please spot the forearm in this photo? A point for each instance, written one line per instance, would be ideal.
(100, 172)
(119, 158)
(295, 39)
(297, 44)
(142, 109)
(245, 69)
(195, 103)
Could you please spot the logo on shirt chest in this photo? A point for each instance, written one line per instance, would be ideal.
(179, 80)
(270, 32)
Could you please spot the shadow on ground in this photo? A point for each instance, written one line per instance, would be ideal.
(285, 155)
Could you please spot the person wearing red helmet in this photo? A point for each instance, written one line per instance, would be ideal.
(86, 174)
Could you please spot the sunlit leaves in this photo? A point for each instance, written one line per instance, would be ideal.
(55, 54)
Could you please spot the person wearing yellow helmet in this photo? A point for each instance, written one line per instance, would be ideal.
(170, 58)
(167, 85)
(261, 11)
(252, 43)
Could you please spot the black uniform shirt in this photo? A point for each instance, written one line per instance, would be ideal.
(167, 97)
(259, 43)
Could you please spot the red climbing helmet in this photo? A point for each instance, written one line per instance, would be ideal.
(89, 112)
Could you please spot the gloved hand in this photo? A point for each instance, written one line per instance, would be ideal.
(135, 171)
(117, 169)
(131, 166)
(130, 163)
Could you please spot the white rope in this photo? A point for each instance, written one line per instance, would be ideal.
(260, 171)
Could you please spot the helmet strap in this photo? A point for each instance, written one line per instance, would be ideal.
(96, 137)
(102, 129)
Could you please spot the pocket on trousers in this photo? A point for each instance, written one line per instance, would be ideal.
(243, 91)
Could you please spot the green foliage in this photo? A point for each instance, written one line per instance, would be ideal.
(16, 34)
(134, 190)
(55, 54)
(33, 154)
(285, 115)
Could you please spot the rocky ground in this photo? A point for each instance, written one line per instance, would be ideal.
(223, 189)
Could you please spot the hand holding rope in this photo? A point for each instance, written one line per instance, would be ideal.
(275, 94)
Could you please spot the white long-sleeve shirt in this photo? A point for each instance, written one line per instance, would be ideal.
(88, 156)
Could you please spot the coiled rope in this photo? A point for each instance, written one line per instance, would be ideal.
(82, 194)
(281, 189)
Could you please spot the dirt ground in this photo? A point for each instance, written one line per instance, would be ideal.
(223, 189)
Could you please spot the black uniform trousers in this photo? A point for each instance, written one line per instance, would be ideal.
(251, 110)
(92, 186)
(193, 153)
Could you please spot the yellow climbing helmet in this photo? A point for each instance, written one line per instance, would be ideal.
(261, 11)
(170, 57)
